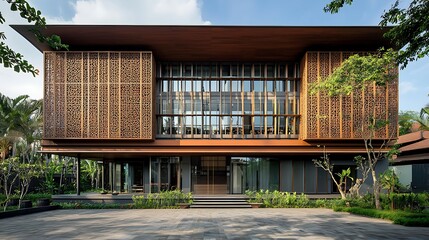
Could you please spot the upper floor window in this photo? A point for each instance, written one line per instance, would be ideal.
(228, 100)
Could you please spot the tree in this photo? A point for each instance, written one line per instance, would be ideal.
(21, 123)
(91, 168)
(8, 177)
(325, 163)
(423, 119)
(390, 182)
(410, 27)
(26, 172)
(363, 167)
(357, 73)
(406, 119)
(11, 59)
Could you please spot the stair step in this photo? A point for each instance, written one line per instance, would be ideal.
(227, 201)
(221, 206)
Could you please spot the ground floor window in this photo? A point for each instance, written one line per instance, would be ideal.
(222, 174)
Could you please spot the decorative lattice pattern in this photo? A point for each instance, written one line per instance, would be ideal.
(334, 102)
(346, 116)
(312, 106)
(324, 100)
(98, 95)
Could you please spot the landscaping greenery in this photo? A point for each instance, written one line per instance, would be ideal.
(407, 209)
(164, 199)
(277, 199)
(11, 59)
(397, 217)
(410, 27)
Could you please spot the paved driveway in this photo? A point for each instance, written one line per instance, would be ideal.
(203, 224)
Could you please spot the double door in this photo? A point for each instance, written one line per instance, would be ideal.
(210, 175)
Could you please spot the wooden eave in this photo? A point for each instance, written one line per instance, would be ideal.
(214, 43)
(134, 149)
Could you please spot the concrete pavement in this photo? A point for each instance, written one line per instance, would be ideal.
(203, 224)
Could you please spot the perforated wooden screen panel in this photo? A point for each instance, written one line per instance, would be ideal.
(98, 95)
(344, 117)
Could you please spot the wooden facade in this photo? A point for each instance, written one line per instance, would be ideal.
(344, 117)
(99, 95)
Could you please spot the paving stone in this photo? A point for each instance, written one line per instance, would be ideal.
(203, 224)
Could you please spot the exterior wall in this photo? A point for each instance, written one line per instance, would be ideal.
(98, 95)
(342, 117)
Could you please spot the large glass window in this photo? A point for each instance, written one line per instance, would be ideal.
(228, 100)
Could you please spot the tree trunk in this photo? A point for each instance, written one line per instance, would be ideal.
(376, 189)
(343, 194)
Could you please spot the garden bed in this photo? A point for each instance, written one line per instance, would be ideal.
(25, 211)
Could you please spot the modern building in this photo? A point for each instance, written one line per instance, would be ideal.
(412, 164)
(208, 109)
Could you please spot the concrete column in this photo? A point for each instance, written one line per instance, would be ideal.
(78, 176)
(186, 174)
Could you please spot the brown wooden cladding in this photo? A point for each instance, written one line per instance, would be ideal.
(343, 117)
(98, 95)
(214, 43)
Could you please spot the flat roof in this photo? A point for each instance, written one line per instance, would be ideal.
(214, 43)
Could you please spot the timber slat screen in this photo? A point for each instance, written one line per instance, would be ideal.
(344, 117)
(98, 95)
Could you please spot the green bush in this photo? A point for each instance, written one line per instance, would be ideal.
(31, 196)
(35, 196)
(165, 199)
(277, 199)
(79, 205)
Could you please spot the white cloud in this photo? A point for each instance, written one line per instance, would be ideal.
(156, 12)
(406, 87)
(159, 12)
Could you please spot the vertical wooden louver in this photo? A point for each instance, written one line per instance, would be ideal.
(98, 95)
(344, 117)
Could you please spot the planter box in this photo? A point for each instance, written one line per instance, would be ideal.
(13, 202)
(183, 205)
(43, 202)
(255, 205)
(26, 204)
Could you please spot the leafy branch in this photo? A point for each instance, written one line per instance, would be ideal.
(11, 59)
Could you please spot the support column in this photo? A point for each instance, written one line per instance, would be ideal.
(102, 176)
(78, 176)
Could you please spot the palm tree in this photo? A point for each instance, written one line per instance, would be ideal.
(424, 119)
(406, 119)
(21, 122)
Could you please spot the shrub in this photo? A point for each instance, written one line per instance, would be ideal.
(277, 199)
(79, 205)
(164, 199)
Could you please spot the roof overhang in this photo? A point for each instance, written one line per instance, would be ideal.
(213, 43)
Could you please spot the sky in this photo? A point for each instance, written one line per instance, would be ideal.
(414, 87)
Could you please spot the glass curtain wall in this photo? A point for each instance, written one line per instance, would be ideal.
(255, 174)
(224, 100)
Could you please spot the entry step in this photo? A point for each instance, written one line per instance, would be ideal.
(220, 202)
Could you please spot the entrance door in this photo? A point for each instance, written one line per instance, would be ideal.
(209, 175)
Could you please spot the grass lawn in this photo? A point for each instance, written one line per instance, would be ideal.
(397, 216)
